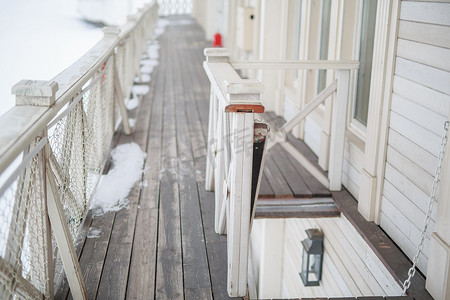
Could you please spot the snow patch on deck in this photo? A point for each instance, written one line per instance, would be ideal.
(114, 187)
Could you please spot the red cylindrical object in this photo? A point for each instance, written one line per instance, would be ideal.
(217, 40)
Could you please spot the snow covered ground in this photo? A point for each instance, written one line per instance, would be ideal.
(38, 40)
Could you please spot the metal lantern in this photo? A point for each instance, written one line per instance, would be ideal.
(312, 257)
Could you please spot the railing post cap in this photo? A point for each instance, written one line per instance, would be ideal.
(35, 92)
(244, 86)
(216, 54)
(111, 31)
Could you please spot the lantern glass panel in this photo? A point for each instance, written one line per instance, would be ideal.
(314, 267)
(305, 262)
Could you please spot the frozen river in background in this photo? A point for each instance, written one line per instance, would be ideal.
(38, 40)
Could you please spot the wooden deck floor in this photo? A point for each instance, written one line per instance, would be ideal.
(164, 245)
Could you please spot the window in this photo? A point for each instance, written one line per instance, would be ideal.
(324, 39)
(369, 11)
(293, 38)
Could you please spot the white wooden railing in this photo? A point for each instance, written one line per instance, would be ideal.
(53, 147)
(234, 102)
(340, 88)
(231, 136)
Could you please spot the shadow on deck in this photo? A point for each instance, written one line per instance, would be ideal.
(164, 245)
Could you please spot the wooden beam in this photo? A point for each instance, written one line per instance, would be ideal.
(63, 237)
(296, 64)
(338, 126)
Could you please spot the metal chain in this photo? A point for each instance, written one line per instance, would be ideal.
(432, 200)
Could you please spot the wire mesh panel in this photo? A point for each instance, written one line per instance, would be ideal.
(79, 145)
(66, 171)
(25, 242)
(174, 7)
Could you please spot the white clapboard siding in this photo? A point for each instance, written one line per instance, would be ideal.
(431, 34)
(350, 267)
(351, 169)
(414, 214)
(410, 150)
(348, 171)
(415, 195)
(430, 55)
(414, 173)
(428, 76)
(426, 12)
(402, 241)
(418, 114)
(405, 226)
(289, 109)
(312, 135)
(415, 92)
(416, 133)
(419, 109)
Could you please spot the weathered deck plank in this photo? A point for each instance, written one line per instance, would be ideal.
(143, 258)
(164, 245)
(169, 274)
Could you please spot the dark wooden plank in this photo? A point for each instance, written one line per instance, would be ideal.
(142, 274)
(169, 275)
(114, 280)
(198, 123)
(386, 250)
(316, 188)
(276, 178)
(293, 178)
(195, 263)
(306, 151)
(94, 253)
(265, 189)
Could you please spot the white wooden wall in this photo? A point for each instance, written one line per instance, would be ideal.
(350, 267)
(420, 106)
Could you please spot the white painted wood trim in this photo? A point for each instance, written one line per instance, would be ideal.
(381, 80)
(219, 169)
(295, 64)
(289, 125)
(120, 103)
(239, 203)
(385, 111)
(211, 144)
(63, 237)
(338, 126)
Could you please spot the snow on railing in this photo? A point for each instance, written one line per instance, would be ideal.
(53, 147)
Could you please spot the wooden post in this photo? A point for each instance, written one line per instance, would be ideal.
(219, 169)
(239, 206)
(62, 235)
(338, 126)
(35, 92)
(114, 32)
(211, 144)
(231, 127)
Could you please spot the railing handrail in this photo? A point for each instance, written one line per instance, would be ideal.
(73, 116)
(21, 124)
(296, 64)
(229, 167)
(236, 94)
